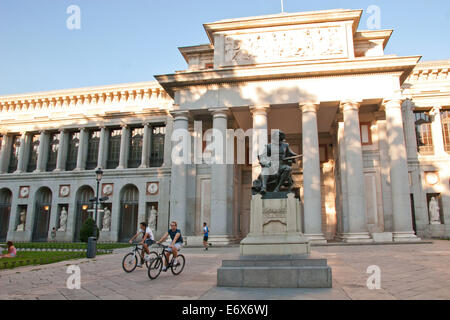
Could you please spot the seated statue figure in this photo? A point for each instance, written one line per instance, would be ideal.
(268, 180)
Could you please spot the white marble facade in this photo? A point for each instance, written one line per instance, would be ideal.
(351, 110)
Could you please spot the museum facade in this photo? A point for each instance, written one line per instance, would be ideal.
(374, 131)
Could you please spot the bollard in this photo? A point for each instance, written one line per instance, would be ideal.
(91, 247)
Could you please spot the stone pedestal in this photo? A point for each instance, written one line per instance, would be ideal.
(275, 254)
(275, 227)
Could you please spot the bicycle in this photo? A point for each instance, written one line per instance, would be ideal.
(129, 262)
(156, 265)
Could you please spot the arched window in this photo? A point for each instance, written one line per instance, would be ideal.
(129, 207)
(42, 214)
(83, 196)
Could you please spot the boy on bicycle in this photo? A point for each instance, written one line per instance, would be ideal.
(147, 240)
(175, 246)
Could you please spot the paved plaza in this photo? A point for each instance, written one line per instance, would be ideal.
(408, 271)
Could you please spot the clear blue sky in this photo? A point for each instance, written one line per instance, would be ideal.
(131, 40)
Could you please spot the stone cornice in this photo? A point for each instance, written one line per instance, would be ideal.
(367, 35)
(203, 48)
(403, 65)
(61, 100)
(284, 19)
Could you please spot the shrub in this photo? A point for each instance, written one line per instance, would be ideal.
(88, 229)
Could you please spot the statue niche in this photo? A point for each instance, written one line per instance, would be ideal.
(273, 179)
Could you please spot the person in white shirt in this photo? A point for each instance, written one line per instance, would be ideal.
(147, 240)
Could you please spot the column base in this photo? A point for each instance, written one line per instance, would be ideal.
(144, 166)
(355, 237)
(318, 238)
(408, 236)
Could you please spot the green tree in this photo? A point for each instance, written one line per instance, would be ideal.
(88, 229)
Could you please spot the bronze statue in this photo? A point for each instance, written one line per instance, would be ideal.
(269, 181)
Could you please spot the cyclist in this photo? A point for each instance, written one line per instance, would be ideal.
(176, 244)
(147, 240)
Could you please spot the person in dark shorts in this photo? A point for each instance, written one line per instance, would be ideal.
(175, 245)
(205, 235)
(147, 240)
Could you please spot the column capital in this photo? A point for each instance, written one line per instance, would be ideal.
(180, 114)
(392, 103)
(124, 125)
(346, 105)
(260, 109)
(309, 106)
(219, 112)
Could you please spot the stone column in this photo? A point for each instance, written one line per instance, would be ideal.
(343, 223)
(410, 130)
(103, 148)
(124, 147)
(167, 142)
(357, 225)
(312, 200)
(436, 131)
(219, 213)
(5, 153)
(82, 150)
(401, 204)
(178, 183)
(259, 136)
(146, 146)
(42, 151)
(62, 151)
(21, 161)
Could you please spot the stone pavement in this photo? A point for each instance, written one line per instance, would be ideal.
(410, 271)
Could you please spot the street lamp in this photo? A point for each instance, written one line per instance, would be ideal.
(98, 177)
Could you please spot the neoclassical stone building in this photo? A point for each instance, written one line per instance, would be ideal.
(374, 130)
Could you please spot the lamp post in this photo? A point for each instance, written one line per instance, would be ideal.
(98, 177)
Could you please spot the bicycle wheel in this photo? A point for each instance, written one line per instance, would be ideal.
(176, 270)
(155, 268)
(129, 262)
(152, 257)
